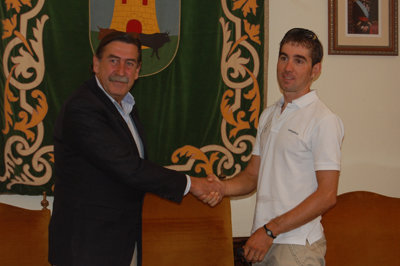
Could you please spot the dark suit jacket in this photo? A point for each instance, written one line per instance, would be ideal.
(100, 183)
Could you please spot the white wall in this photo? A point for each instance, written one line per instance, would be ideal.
(363, 90)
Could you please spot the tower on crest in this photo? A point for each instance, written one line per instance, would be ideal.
(135, 16)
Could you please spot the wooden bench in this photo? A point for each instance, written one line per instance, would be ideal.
(24, 235)
(189, 233)
(363, 229)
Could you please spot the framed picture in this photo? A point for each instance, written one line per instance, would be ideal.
(363, 27)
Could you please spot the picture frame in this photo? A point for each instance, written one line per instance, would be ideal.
(363, 27)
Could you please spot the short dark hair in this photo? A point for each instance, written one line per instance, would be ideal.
(120, 36)
(307, 39)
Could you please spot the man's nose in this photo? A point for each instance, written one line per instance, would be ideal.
(121, 69)
(289, 65)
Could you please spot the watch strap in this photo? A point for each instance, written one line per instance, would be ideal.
(269, 232)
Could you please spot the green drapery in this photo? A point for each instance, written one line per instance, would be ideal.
(200, 112)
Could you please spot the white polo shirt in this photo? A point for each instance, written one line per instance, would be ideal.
(292, 145)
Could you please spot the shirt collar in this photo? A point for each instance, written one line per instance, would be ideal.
(303, 100)
(127, 102)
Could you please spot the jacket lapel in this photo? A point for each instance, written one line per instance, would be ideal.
(113, 110)
(139, 127)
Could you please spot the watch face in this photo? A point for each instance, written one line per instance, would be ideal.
(269, 232)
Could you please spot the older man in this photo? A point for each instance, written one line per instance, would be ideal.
(102, 172)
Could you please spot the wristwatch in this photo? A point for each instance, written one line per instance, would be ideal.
(269, 232)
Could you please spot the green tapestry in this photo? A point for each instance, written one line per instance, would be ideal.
(199, 94)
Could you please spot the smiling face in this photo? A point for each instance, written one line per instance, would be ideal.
(295, 72)
(118, 68)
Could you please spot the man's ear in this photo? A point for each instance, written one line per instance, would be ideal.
(96, 63)
(316, 71)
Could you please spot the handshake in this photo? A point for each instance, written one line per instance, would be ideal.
(210, 190)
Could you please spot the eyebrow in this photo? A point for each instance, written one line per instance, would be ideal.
(128, 59)
(112, 56)
(296, 56)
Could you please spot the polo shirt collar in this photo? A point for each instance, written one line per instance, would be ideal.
(303, 100)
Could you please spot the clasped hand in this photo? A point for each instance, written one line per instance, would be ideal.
(210, 190)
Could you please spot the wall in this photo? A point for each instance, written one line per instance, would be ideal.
(362, 90)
